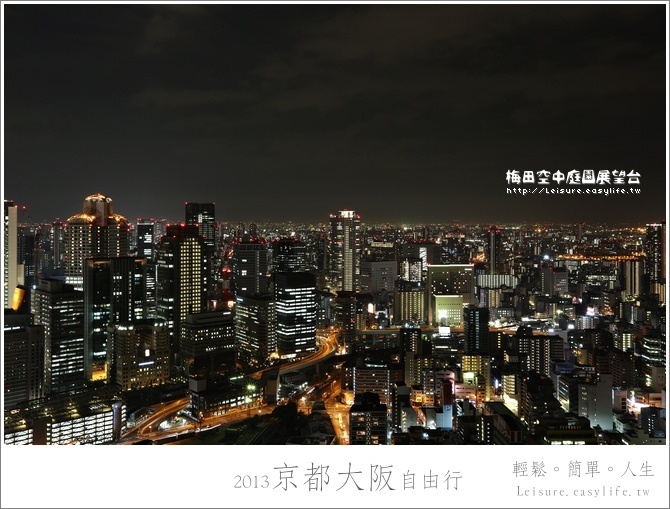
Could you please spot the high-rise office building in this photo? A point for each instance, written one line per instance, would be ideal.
(95, 232)
(449, 281)
(203, 215)
(632, 272)
(494, 250)
(24, 366)
(250, 266)
(181, 278)
(378, 276)
(60, 308)
(476, 329)
(114, 292)
(10, 258)
(255, 327)
(289, 255)
(409, 302)
(139, 354)
(27, 258)
(656, 257)
(345, 248)
(57, 242)
(208, 341)
(145, 238)
(295, 301)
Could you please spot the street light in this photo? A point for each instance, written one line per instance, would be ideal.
(250, 390)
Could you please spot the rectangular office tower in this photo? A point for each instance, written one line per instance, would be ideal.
(656, 258)
(114, 292)
(208, 342)
(255, 328)
(345, 248)
(139, 354)
(449, 288)
(250, 266)
(202, 215)
(10, 252)
(181, 278)
(146, 229)
(24, 366)
(60, 308)
(295, 301)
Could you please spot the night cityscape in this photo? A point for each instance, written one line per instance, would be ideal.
(334, 224)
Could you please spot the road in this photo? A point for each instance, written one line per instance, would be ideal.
(163, 411)
(328, 346)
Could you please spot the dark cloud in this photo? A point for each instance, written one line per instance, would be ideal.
(403, 112)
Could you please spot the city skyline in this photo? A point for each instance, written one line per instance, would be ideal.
(289, 113)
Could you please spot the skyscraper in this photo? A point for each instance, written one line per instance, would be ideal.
(181, 278)
(97, 231)
(10, 252)
(289, 255)
(60, 308)
(23, 367)
(114, 292)
(139, 354)
(250, 266)
(494, 250)
(202, 215)
(255, 327)
(145, 238)
(656, 257)
(345, 247)
(295, 301)
(476, 329)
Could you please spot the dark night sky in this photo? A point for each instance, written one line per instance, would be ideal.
(405, 113)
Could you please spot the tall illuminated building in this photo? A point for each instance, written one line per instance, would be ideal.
(295, 303)
(476, 329)
(181, 279)
(139, 354)
(10, 252)
(632, 277)
(24, 355)
(145, 238)
(345, 248)
(289, 255)
(255, 328)
(494, 250)
(250, 266)
(656, 258)
(57, 241)
(60, 309)
(202, 215)
(95, 232)
(114, 292)
(449, 288)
